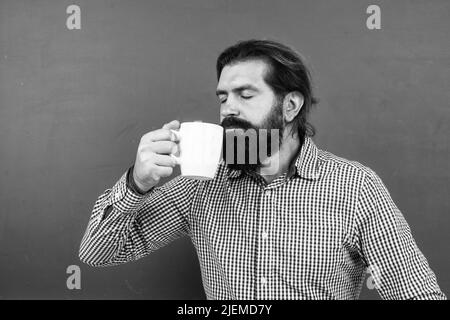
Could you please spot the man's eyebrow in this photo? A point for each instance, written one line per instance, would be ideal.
(238, 89)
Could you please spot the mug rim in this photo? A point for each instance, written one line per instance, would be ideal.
(202, 123)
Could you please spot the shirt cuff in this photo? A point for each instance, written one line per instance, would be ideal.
(132, 185)
(123, 198)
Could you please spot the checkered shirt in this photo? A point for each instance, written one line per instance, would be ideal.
(312, 234)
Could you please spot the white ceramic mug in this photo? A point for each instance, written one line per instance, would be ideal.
(200, 146)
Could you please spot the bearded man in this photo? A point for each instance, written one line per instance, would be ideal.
(295, 223)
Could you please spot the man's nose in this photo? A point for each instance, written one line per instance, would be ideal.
(228, 109)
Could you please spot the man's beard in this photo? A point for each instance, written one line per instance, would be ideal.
(233, 138)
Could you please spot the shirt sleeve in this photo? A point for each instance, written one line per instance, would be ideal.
(125, 225)
(399, 269)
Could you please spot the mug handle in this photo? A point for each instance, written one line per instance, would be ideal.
(178, 135)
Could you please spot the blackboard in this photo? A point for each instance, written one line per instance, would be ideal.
(75, 102)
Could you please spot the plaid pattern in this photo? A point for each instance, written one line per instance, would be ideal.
(311, 234)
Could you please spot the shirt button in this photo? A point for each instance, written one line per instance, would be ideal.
(263, 281)
(264, 235)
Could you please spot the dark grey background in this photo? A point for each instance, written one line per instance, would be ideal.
(74, 104)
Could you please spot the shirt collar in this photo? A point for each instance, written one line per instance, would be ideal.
(305, 164)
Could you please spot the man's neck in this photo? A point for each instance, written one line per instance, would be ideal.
(280, 162)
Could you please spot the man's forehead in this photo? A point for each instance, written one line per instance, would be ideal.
(242, 73)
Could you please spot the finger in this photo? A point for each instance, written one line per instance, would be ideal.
(158, 135)
(176, 150)
(155, 159)
(164, 171)
(174, 125)
(161, 147)
(175, 135)
(164, 160)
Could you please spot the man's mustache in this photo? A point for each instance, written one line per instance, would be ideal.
(236, 122)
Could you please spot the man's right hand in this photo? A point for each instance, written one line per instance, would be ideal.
(153, 160)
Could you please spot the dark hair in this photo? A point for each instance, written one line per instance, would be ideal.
(286, 73)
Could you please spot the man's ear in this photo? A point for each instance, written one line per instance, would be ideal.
(292, 104)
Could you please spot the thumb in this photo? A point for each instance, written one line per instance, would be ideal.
(174, 125)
